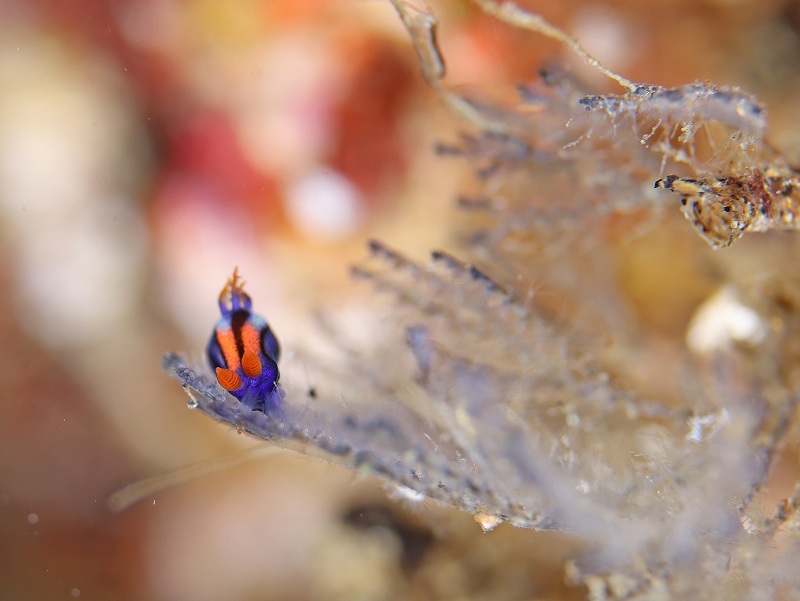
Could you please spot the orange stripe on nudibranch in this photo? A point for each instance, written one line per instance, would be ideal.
(251, 364)
(227, 344)
(228, 379)
(251, 338)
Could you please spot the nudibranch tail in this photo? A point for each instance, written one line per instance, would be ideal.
(243, 350)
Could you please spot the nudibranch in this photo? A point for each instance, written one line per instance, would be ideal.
(243, 351)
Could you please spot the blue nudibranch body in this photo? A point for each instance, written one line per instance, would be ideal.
(243, 351)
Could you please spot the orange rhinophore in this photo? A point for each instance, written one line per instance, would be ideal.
(228, 379)
(251, 364)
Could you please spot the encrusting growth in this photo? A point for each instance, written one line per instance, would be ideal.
(723, 209)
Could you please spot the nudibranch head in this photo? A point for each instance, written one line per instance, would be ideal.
(243, 351)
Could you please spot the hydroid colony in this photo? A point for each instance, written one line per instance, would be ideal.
(485, 401)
